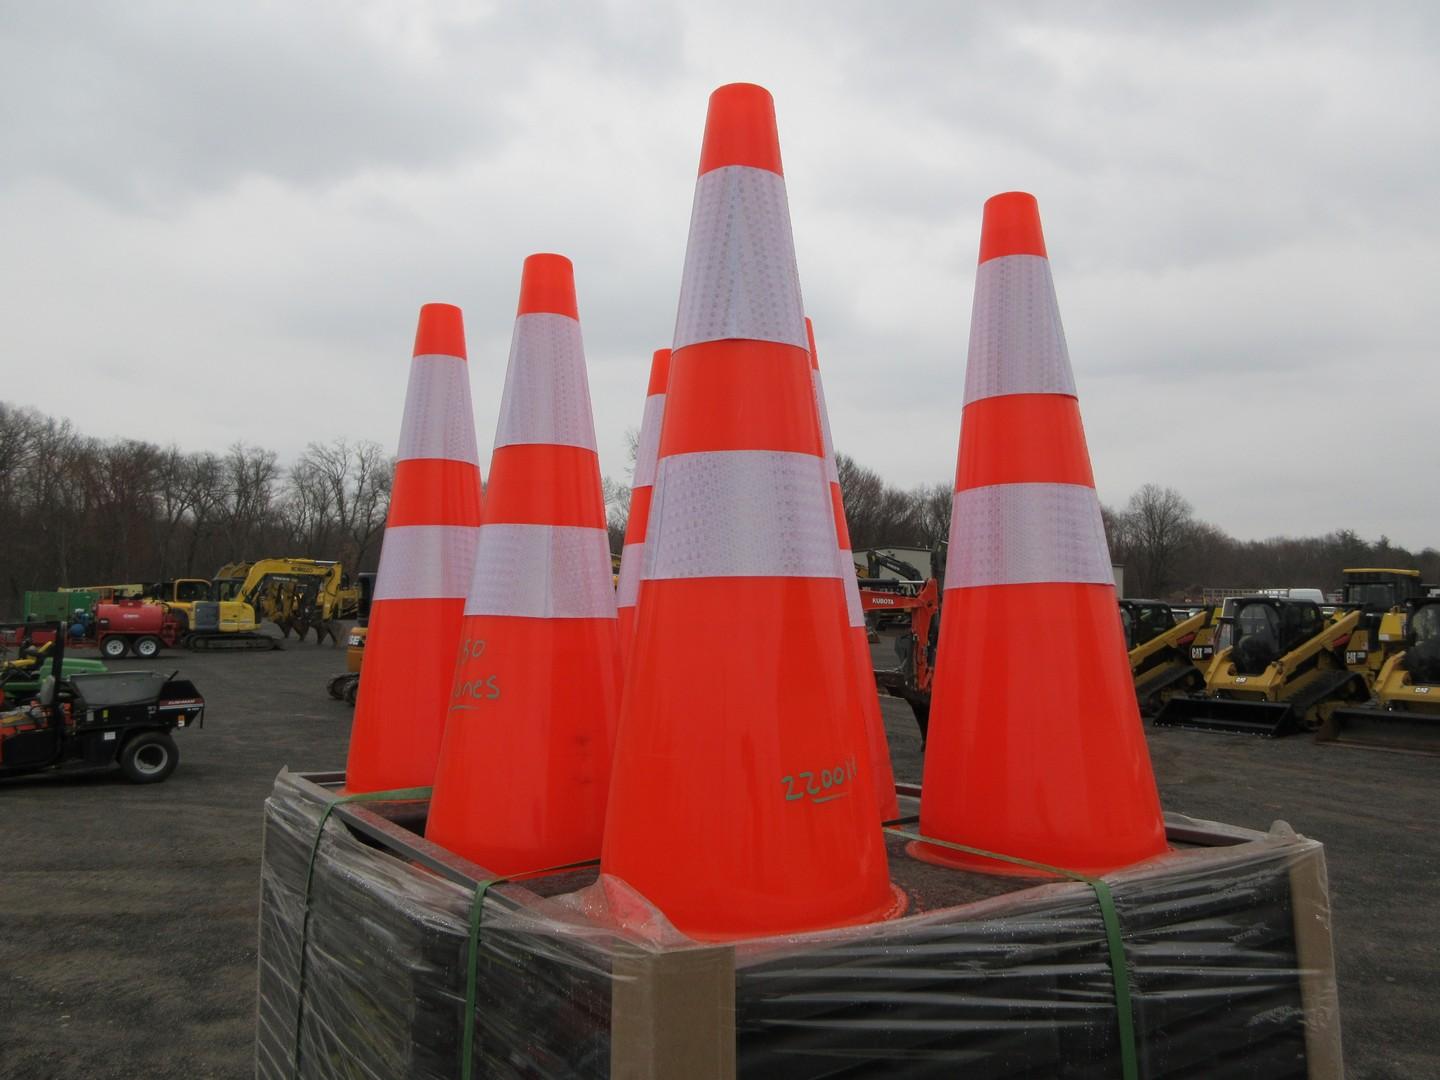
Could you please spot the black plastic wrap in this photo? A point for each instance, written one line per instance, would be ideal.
(1226, 943)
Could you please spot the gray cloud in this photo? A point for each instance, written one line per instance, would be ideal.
(218, 206)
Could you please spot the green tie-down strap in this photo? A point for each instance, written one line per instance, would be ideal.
(415, 794)
(477, 909)
(1119, 971)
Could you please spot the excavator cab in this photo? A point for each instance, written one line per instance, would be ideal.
(1281, 672)
(1422, 640)
(1379, 594)
(1405, 711)
(1144, 620)
(1265, 629)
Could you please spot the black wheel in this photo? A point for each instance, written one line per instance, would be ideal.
(114, 647)
(149, 758)
(147, 647)
(352, 691)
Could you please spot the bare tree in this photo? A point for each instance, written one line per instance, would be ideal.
(617, 510)
(1157, 527)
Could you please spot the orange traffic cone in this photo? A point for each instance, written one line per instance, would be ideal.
(1036, 748)
(425, 564)
(864, 673)
(742, 800)
(525, 768)
(628, 590)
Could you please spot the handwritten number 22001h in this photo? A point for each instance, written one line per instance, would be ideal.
(819, 787)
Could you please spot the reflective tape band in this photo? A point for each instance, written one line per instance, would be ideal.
(648, 448)
(547, 394)
(831, 471)
(426, 562)
(741, 513)
(1013, 534)
(740, 278)
(852, 588)
(1017, 345)
(542, 572)
(438, 421)
(627, 590)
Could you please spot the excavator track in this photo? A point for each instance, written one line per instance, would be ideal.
(249, 642)
(1151, 685)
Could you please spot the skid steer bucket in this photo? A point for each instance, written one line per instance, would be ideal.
(1267, 718)
(1383, 729)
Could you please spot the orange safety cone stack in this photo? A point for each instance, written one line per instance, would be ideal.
(864, 674)
(525, 767)
(742, 801)
(425, 564)
(1036, 749)
(628, 589)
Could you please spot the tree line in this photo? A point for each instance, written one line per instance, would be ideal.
(79, 510)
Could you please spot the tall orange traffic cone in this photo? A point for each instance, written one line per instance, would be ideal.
(627, 594)
(742, 800)
(864, 674)
(1036, 748)
(425, 564)
(525, 768)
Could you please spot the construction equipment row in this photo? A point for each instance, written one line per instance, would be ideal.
(1366, 672)
(1363, 672)
(223, 612)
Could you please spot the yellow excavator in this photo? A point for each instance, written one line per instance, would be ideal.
(1280, 670)
(226, 612)
(1159, 647)
(1405, 711)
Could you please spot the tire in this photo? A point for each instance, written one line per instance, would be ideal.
(147, 647)
(149, 758)
(114, 647)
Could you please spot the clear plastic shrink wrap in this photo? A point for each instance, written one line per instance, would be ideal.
(371, 941)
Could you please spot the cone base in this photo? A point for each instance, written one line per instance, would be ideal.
(895, 905)
(404, 686)
(524, 769)
(1038, 751)
(742, 805)
(977, 864)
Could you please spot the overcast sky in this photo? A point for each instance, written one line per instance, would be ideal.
(218, 221)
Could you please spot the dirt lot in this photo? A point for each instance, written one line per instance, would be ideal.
(129, 912)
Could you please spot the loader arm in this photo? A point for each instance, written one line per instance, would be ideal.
(1170, 639)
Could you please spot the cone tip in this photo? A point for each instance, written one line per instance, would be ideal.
(440, 331)
(740, 129)
(1011, 226)
(547, 286)
(659, 372)
(810, 336)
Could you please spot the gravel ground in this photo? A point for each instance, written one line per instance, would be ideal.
(129, 912)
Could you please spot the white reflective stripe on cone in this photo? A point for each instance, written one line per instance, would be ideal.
(632, 560)
(741, 513)
(831, 470)
(439, 422)
(426, 562)
(1017, 345)
(542, 572)
(547, 394)
(853, 606)
(647, 450)
(1013, 534)
(740, 278)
